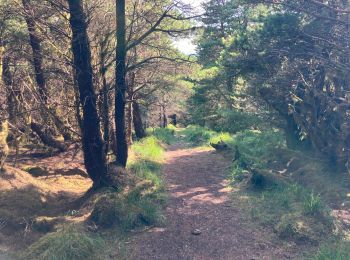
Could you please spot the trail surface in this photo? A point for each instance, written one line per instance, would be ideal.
(200, 199)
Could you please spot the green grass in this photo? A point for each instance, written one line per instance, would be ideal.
(165, 135)
(116, 213)
(148, 148)
(292, 210)
(141, 205)
(70, 243)
(201, 136)
(334, 251)
(197, 135)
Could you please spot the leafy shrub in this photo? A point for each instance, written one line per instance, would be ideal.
(68, 244)
(255, 149)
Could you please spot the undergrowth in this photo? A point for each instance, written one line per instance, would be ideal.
(293, 211)
(334, 251)
(201, 136)
(165, 135)
(67, 244)
(113, 213)
(142, 204)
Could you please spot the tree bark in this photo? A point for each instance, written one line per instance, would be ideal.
(137, 119)
(121, 86)
(35, 44)
(93, 147)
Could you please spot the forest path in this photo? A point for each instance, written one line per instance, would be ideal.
(200, 199)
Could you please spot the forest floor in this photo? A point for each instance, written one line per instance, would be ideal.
(201, 201)
(207, 216)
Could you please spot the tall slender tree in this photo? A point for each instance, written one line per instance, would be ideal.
(121, 86)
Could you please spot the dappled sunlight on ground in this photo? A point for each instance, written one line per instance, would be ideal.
(31, 205)
(200, 198)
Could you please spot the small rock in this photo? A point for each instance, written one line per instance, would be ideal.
(196, 232)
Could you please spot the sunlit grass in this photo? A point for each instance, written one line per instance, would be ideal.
(165, 135)
(70, 243)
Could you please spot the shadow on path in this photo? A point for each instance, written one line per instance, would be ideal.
(199, 199)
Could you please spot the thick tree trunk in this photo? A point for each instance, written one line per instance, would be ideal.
(137, 119)
(93, 147)
(121, 86)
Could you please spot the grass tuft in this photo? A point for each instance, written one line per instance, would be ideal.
(148, 148)
(71, 243)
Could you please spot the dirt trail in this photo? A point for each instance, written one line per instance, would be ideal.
(199, 199)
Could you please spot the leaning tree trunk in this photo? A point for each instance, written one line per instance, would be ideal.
(14, 107)
(121, 86)
(35, 44)
(93, 147)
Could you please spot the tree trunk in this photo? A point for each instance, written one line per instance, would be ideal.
(47, 138)
(105, 96)
(35, 44)
(137, 119)
(37, 53)
(121, 87)
(94, 152)
(129, 123)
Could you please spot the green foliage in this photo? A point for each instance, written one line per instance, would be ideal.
(283, 208)
(197, 135)
(135, 209)
(255, 148)
(141, 205)
(221, 137)
(148, 148)
(234, 121)
(313, 204)
(70, 243)
(165, 135)
(335, 251)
